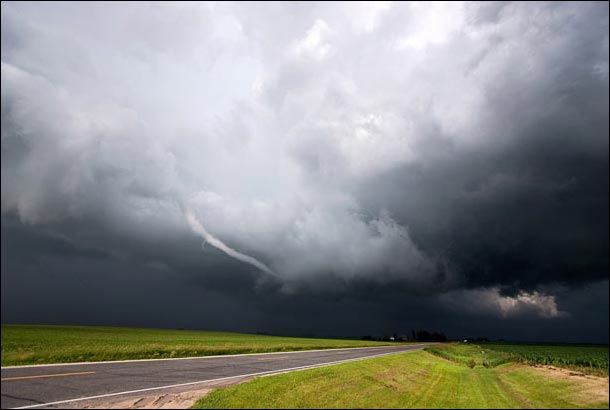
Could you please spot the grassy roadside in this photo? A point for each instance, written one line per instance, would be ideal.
(418, 379)
(470, 355)
(28, 344)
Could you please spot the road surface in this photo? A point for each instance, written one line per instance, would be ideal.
(62, 385)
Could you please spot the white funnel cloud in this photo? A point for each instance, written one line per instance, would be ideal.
(199, 229)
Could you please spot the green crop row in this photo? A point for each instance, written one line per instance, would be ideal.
(577, 356)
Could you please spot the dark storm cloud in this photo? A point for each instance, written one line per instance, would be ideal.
(448, 159)
(209, 293)
(530, 214)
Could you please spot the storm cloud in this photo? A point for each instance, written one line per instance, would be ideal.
(420, 162)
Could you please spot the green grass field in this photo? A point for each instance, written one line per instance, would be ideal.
(420, 379)
(26, 344)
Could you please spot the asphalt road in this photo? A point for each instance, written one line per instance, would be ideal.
(69, 384)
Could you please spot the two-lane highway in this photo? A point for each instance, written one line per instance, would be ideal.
(52, 385)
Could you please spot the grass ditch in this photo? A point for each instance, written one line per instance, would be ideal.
(470, 355)
(419, 379)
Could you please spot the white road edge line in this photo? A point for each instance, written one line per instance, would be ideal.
(193, 357)
(33, 406)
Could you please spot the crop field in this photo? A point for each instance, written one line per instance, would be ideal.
(587, 358)
(28, 344)
(419, 379)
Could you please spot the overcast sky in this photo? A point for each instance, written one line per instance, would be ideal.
(308, 168)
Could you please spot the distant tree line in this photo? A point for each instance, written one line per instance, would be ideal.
(415, 336)
(477, 339)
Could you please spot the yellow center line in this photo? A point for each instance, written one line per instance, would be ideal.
(44, 375)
